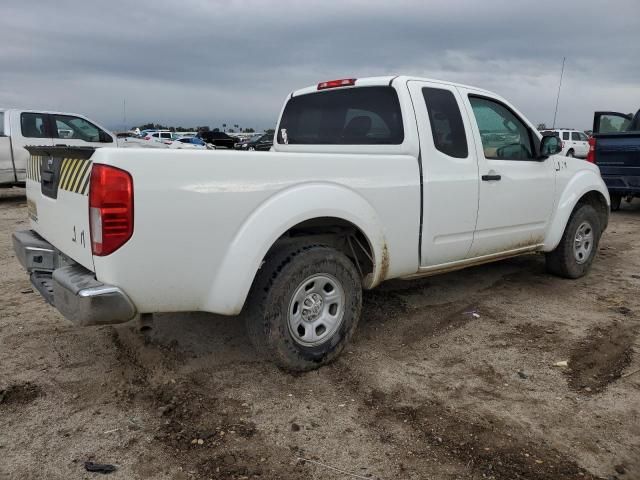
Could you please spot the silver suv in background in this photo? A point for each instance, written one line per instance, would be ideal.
(574, 142)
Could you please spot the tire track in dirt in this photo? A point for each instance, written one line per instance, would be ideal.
(601, 357)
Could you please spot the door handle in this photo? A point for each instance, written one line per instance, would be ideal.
(491, 178)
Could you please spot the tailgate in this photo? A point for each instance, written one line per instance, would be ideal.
(58, 199)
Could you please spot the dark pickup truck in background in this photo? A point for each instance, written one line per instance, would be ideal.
(218, 139)
(615, 148)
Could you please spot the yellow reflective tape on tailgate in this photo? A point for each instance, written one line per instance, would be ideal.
(74, 175)
(64, 171)
(33, 168)
(81, 175)
(71, 170)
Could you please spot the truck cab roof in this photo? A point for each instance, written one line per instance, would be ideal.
(388, 80)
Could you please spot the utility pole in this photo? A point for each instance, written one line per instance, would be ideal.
(558, 97)
(124, 114)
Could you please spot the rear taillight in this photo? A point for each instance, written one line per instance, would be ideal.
(562, 145)
(591, 155)
(345, 82)
(110, 209)
(147, 137)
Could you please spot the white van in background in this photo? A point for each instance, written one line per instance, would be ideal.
(574, 142)
(19, 128)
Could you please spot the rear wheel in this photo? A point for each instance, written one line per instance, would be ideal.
(570, 153)
(574, 254)
(304, 306)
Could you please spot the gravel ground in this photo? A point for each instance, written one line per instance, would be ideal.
(450, 377)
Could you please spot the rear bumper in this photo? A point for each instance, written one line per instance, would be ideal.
(622, 184)
(70, 287)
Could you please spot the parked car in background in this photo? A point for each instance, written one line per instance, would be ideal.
(574, 142)
(193, 143)
(176, 135)
(34, 127)
(260, 142)
(144, 133)
(368, 180)
(161, 136)
(218, 139)
(615, 148)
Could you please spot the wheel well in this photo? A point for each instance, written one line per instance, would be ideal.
(599, 203)
(340, 234)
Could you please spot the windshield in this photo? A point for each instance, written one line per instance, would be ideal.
(353, 116)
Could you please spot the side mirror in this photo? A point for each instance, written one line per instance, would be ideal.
(550, 145)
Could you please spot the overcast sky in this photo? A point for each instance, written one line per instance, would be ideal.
(208, 62)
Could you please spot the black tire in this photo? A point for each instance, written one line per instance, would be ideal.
(570, 153)
(562, 261)
(280, 277)
(616, 199)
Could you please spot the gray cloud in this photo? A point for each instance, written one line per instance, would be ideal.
(211, 62)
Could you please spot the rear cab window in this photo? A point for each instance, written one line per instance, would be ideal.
(1, 123)
(447, 127)
(351, 116)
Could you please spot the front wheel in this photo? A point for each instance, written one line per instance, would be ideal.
(304, 306)
(574, 255)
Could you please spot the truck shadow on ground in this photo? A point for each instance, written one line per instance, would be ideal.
(395, 304)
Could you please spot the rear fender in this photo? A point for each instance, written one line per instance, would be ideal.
(581, 183)
(273, 218)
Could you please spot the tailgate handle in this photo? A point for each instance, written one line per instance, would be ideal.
(47, 176)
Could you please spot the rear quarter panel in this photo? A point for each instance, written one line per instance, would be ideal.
(204, 219)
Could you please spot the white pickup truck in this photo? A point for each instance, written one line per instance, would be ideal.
(36, 127)
(368, 180)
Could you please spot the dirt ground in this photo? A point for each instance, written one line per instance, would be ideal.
(451, 377)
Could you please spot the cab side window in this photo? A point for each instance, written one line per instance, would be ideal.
(565, 135)
(575, 136)
(446, 122)
(33, 125)
(75, 128)
(504, 136)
